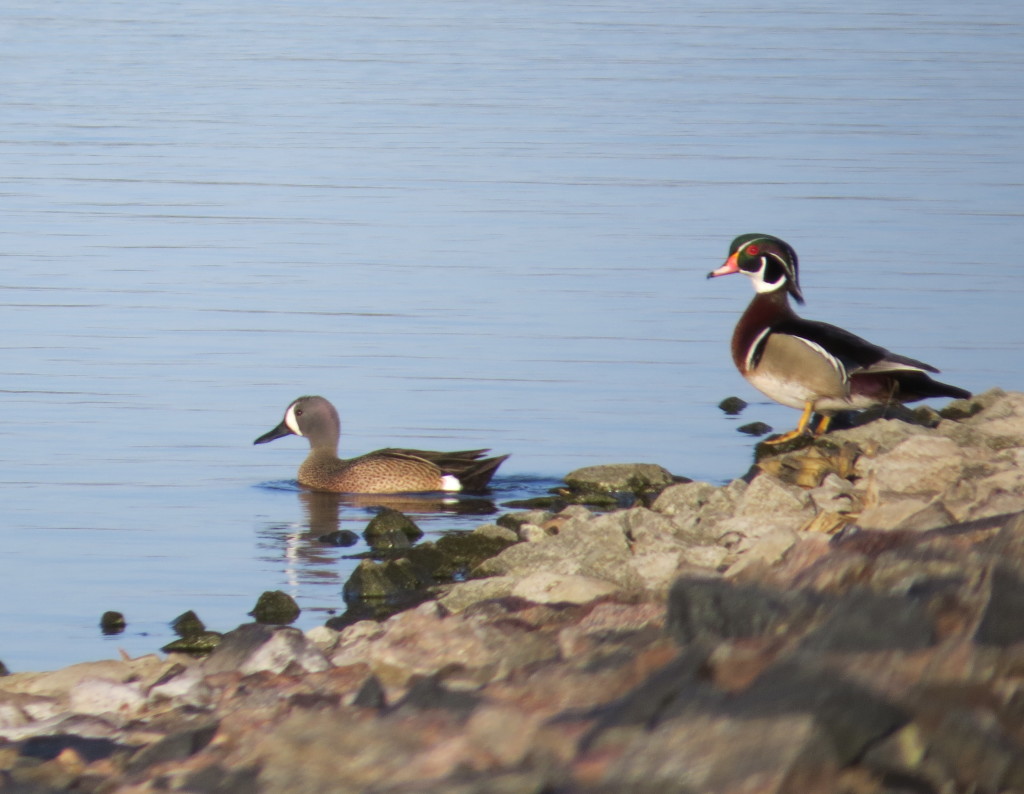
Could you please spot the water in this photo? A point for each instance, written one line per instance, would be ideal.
(468, 224)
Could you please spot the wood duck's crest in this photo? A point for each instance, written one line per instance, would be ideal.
(770, 263)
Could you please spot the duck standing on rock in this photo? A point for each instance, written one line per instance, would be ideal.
(384, 471)
(806, 364)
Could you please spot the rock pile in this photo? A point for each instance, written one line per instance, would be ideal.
(848, 618)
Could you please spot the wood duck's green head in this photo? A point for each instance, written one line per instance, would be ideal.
(770, 263)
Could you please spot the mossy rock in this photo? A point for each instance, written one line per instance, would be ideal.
(194, 644)
(393, 580)
(112, 622)
(188, 624)
(732, 405)
(466, 550)
(275, 607)
(389, 521)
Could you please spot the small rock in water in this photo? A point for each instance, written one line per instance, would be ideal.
(277, 607)
(388, 581)
(755, 429)
(732, 405)
(188, 624)
(112, 623)
(342, 537)
(387, 523)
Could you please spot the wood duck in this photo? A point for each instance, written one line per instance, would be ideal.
(384, 471)
(806, 364)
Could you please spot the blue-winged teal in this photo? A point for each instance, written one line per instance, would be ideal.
(807, 364)
(383, 471)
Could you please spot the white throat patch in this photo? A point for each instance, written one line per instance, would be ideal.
(760, 285)
(291, 421)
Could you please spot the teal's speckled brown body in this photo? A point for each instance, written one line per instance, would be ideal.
(384, 471)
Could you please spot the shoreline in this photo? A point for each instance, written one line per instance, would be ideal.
(848, 615)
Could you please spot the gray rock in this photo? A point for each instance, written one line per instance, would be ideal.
(879, 436)
(768, 496)
(714, 609)
(863, 622)
(254, 647)
(619, 478)
(1001, 623)
(922, 465)
(596, 547)
(699, 506)
(461, 595)
(545, 587)
(497, 532)
(513, 521)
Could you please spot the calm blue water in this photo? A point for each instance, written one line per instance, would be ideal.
(467, 224)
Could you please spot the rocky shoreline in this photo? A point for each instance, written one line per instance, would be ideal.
(848, 617)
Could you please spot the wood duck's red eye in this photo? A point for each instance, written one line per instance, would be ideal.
(753, 250)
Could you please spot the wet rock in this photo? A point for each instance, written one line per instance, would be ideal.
(341, 537)
(195, 644)
(275, 606)
(464, 551)
(254, 647)
(732, 405)
(391, 581)
(755, 429)
(388, 540)
(386, 523)
(187, 624)
(112, 623)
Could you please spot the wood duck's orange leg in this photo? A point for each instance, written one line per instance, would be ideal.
(823, 425)
(801, 428)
